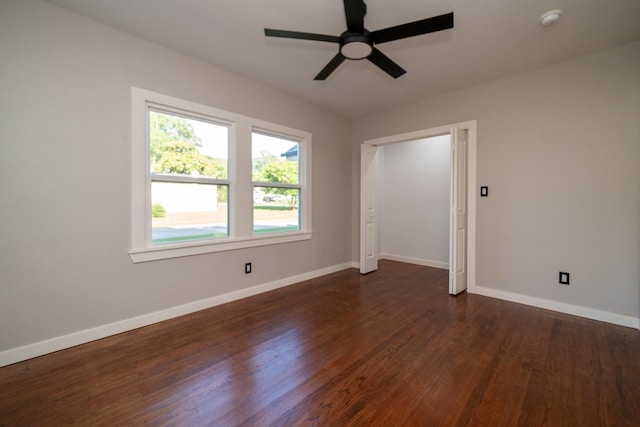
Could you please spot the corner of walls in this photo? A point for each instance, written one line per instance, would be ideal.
(535, 151)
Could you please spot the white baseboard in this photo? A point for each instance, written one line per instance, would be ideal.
(589, 313)
(417, 261)
(40, 348)
(576, 310)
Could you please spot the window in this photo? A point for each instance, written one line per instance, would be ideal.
(276, 183)
(206, 180)
(188, 161)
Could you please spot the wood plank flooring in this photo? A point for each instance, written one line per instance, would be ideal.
(391, 348)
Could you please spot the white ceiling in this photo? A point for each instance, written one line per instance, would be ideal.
(491, 39)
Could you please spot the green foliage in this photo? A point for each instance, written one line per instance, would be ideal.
(260, 163)
(164, 129)
(192, 237)
(280, 171)
(275, 229)
(283, 171)
(223, 193)
(158, 211)
(182, 157)
(174, 146)
(271, 208)
(291, 195)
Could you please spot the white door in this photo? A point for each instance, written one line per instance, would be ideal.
(368, 227)
(458, 212)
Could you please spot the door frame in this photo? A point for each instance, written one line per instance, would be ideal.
(365, 182)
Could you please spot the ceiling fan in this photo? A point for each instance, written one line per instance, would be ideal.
(359, 43)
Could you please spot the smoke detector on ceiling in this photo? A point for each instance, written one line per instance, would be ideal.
(549, 18)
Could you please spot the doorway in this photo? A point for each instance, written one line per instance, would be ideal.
(462, 201)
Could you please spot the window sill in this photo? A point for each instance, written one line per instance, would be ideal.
(166, 252)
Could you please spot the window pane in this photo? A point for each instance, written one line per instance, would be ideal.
(274, 159)
(275, 210)
(187, 146)
(181, 212)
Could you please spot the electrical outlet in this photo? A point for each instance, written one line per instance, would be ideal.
(247, 268)
(563, 278)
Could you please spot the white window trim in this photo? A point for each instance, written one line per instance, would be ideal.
(239, 179)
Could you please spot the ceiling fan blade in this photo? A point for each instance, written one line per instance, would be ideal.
(299, 35)
(330, 67)
(385, 63)
(355, 11)
(424, 26)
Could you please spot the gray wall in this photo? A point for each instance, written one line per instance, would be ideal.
(413, 200)
(559, 148)
(65, 169)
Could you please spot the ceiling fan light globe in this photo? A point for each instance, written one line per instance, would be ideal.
(356, 50)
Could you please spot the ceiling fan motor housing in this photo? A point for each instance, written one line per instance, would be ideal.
(355, 45)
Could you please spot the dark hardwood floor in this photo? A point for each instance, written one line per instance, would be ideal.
(391, 348)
